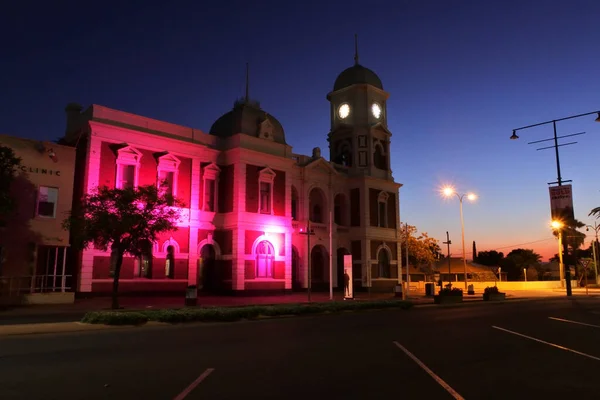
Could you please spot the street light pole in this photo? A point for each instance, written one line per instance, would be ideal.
(449, 191)
(309, 232)
(559, 180)
(462, 232)
(594, 244)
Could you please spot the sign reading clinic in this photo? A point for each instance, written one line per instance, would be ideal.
(42, 171)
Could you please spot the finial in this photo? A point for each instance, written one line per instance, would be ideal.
(355, 49)
(247, 98)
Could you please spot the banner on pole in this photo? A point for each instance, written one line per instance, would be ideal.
(561, 202)
(348, 288)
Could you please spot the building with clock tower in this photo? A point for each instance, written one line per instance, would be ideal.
(249, 198)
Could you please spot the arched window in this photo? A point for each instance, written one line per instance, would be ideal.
(316, 214)
(383, 261)
(379, 158)
(144, 264)
(170, 262)
(382, 210)
(265, 254)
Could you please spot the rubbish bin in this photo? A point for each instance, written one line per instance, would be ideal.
(398, 291)
(470, 289)
(191, 295)
(429, 289)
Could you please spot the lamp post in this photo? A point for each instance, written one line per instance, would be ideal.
(309, 232)
(559, 179)
(557, 226)
(596, 227)
(448, 192)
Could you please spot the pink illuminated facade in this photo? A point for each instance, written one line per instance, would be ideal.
(249, 196)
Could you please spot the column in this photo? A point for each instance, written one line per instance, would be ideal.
(193, 227)
(238, 273)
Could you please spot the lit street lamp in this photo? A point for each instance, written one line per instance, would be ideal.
(448, 191)
(559, 179)
(596, 227)
(558, 227)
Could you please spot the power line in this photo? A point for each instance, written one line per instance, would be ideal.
(516, 245)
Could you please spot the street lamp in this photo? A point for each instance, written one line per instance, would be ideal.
(448, 191)
(596, 227)
(558, 227)
(555, 138)
(559, 179)
(309, 232)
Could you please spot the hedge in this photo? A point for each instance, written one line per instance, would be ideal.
(230, 314)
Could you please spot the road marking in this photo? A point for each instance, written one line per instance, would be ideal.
(193, 385)
(548, 343)
(439, 380)
(574, 322)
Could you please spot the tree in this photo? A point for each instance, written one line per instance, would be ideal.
(489, 258)
(422, 249)
(520, 259)
(9, 163)
(572, 238)
(124, 220)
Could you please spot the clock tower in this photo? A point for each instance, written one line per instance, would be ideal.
(359, 138)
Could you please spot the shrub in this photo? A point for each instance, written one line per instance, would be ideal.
(115, 318)
(451, 291)
(230, 314)
(491, 290)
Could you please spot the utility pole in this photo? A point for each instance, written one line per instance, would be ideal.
(448, 242)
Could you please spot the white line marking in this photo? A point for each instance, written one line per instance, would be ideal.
(548, 343)
(574, 322)
(193, 385)
(439, 380)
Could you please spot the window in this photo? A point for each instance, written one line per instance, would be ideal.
(127, 176)
(128, 164)
(294, 194)
(209, 195)
(166, 180)
(382, 210)
(383, 261)
(170, 262)
(266, 177)
(210, 181)
(379, 158)
(46, 202)
(265, 198)
(144, 263)
(265, 254)
(167, 172)
(316, 214)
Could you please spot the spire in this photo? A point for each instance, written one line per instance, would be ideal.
(247, 98)
(355, 49)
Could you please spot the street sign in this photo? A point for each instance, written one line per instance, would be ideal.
(584, 262)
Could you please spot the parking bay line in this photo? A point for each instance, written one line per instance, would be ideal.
(193, 385)
(573, 322)
(439, 380)
(548, 343)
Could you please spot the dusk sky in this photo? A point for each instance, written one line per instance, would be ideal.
(461, 75)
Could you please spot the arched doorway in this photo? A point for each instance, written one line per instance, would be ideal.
(208, 274)
(296, 279)
(319, 268)
(341, 252)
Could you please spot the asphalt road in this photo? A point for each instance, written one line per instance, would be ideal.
(474, 351)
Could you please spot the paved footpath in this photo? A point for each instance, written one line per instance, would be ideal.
(46, 314)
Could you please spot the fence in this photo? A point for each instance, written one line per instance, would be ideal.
(15, 286)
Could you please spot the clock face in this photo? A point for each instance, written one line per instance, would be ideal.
(344, 111)
(376, 110)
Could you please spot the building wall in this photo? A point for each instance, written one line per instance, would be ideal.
(235, 229)
(29, 236)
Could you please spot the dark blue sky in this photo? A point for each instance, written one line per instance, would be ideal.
(462, 75)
